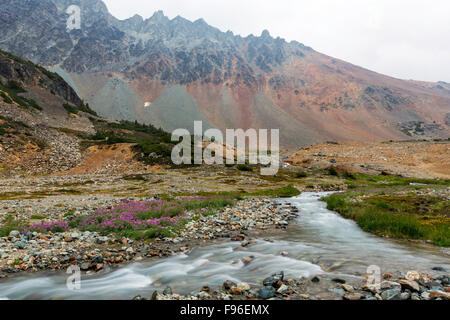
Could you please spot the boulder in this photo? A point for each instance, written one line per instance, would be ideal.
(410, 285)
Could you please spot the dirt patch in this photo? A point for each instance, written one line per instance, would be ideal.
(118, 158)
(421, 159)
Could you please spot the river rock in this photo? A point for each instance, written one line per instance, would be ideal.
(410, 285)
(205, 289)
(353, 296)
(246, 261)
(434, 286)
(348, 288)
(415, 296)
(101, 240)
(236, 291)
(167, 291)
(412, 276)
(405, 296)
(425, 295)
(439, 294)
(283, 288)
(440, 269)
(14, 234)
(338, 280)
(445, 280)
(227, 285)
(390, 285)
(85, 266)
(274, 279)
(244, 286)
(266, 293)
(20, 245)
(98, 259)
(203, 295)
(338, 291)
(391, 294)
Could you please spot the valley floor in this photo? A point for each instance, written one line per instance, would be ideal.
(30, 201)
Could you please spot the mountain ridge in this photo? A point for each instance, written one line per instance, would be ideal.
(192, 71)
(46, 128)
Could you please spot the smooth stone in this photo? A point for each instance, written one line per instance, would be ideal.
(340, 292)
(273, 280)
(348, 288)
(391, 294)
(440, 269)
(409, 284)
(236, 291)
(14, 233)
(412, 276)
(85, 266)
(405, 296)
(337, 280)
(20, 244)
(266, 292)
(390, 285)
(244, 286)
(415, 296)
(227, 285)
(167, 291)
(283, 289)
(353, 296)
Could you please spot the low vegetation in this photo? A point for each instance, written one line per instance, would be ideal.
(405, 216)
(10, 93)
(244, 168)
(9, 224)
(283, 192)
(152, 145)
(83, 107)
(140, 219)
(49, 74)
(9, 125)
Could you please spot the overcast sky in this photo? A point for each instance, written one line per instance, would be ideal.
(408, 39)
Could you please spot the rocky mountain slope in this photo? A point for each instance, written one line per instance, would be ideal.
(46, 128)
(185, 71)
(419, 159)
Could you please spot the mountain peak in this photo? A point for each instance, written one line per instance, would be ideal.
(263, 81)
(158, 16)
(200, 21)
(136, 17)
(266, 34)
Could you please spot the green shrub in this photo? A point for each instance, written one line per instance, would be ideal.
(6, 99)
(70, 109)
(9, 224)
(244, 168)
(283, 192)
(33, 104)
(84, 107)
(300, 174)
(332, 171)
(150, 147)
(14, 85)
(349, 175)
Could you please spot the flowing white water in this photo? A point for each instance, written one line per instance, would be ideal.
(321, 241)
